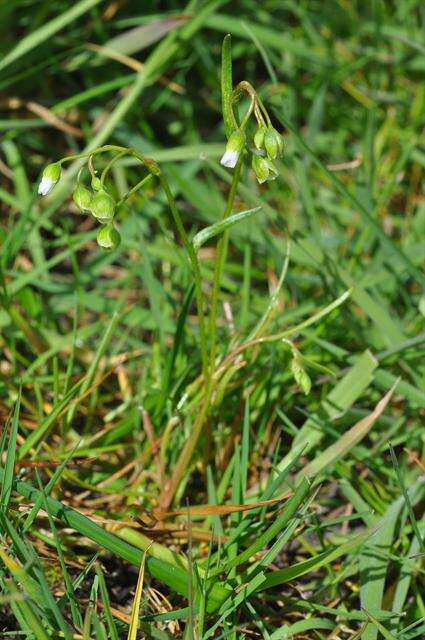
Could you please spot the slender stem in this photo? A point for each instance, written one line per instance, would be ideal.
(195, 268)
(111, 164)
(154, 169)
(136, 187)
(219, 266)
(190, 444)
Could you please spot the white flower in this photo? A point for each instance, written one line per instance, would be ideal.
(234, 147)
(51, 175)
(229, 159)
(45, 186)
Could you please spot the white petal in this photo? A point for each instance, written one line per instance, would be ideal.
(45, 186)
(230, 159)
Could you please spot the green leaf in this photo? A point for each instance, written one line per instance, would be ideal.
(6, 487)
(227, 85)
(312, 564)
(217, 228)
(172, 575)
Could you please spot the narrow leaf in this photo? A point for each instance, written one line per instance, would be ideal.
(227, 85)
(219, 227)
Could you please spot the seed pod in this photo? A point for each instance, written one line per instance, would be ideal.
(273, 143)
(108, 237)
(102, 206)
(261, 168)
(259, 137)
(96, 184)
(82, 197)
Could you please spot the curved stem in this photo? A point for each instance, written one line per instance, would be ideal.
(111, 164)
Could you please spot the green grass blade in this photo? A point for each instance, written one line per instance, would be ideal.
(227, 85)
(6, 487)
(220, 227)
(45, 32)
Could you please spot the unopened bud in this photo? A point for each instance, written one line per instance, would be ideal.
(234, 147)
(108, 237)
(301, 376)
(102, 206)
(96, 184)
(51, 175)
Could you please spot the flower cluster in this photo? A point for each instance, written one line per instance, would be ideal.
(95, 201)
(268, 143)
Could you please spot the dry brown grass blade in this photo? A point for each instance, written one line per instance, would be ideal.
(218, 510)
(45, 114)
(52, 119)
(132, 63)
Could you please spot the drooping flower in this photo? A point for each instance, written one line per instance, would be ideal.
(51, 175)
(234, 147)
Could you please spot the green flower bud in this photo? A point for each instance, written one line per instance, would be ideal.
(102, 206)
(82, 197)
(234, 147)
(96, 184)
(108, 237)
(51, 175)
(301, 376)
(259, 137)
(273, 143)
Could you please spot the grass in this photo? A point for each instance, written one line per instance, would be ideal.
(265, 478)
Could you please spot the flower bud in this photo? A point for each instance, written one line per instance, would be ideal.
(82, 197)
(102, 206)
(108, 237)
(96, 184)
(234, 147)
(259, 137)
(273, 143)
(51, 175)
(301, 376)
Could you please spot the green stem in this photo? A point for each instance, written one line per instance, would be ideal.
(136, 187)
(218, 271)
(154, 169)
(111, 164)
(195, 268)
(184, 458)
